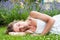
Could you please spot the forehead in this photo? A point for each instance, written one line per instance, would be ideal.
(21, 23)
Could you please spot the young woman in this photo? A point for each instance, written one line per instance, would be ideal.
(37, 23)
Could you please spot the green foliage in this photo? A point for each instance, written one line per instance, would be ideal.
(7, 16)
(4, 0)
(52, 12)
(2, 12)
(34, 6)
(21, 12)
(4, 36)
(29, 1)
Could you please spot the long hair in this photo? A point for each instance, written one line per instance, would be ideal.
(10, 27)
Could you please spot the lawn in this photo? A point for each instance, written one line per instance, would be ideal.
(21, 12)
(27, 37)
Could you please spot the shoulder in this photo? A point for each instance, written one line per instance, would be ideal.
(39, 15)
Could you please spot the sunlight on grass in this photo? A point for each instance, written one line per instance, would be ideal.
(27, 37)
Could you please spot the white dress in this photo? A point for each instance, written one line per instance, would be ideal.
(55, 28)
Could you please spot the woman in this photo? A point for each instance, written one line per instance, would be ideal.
(37, 23)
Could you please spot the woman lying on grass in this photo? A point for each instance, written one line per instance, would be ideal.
(36, 23)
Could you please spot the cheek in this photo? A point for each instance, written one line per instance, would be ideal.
(16, 29)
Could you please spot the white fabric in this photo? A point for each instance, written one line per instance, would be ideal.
(55, 28)
(40, 26)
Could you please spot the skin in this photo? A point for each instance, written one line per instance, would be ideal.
(20, 26)
(49, 21)
(31, 23)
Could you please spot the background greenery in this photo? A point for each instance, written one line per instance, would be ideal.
(26, 37)
(21, 12)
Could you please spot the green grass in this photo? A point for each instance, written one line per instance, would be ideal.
(27, 37)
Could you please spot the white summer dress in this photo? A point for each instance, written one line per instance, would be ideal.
(55, 28)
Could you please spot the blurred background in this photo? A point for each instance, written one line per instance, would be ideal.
(43, 4)
(11, 10)
(19, 9)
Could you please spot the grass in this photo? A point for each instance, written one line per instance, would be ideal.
(27, 37)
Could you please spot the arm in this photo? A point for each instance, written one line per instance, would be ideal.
(49, 21)
(48, 27)
(32, 24)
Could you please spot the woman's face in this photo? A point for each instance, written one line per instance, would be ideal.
(20, 26)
